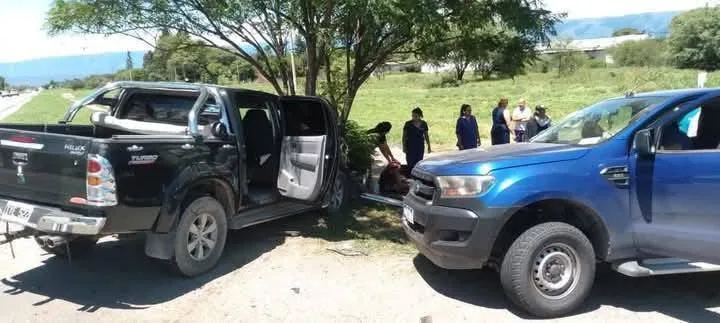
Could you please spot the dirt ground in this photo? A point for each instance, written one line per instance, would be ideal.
(286, 272)
(358, 268)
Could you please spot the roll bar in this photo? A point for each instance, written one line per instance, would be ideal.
(193, 128)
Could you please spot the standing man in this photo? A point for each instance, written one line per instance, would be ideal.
(520, 117)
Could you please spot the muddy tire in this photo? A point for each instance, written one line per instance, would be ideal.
(79, 247)
(549, 270)
(200, 237)
(340, 196)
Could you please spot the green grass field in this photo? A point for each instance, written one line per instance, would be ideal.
(49, 107)
(393, 97)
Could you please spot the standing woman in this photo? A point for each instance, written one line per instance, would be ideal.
(500, 131)
(466, 129)
(415, 134)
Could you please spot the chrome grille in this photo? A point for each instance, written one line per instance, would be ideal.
(423, 185)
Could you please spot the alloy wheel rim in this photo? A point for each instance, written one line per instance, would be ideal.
(202, 237)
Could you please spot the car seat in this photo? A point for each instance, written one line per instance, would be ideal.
(260, 148)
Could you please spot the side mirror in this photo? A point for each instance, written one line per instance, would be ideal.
(643, 143)
(219, 130)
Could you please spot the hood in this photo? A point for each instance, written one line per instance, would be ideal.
(481, 161)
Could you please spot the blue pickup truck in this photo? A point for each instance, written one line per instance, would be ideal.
(632, 181)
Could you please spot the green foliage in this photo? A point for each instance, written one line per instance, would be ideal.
(2, 83)
(76, 84)
(360, 146)
(595, 63)
(368, 32)
(694, 40)
(570, 61)
(502, 50)
(650, 52)
(626, 31)
(129, 62)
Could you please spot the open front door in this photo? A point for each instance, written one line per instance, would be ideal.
(307, 148)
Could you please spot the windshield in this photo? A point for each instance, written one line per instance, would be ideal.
(598, 122)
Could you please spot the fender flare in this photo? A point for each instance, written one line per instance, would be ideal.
(188, 180)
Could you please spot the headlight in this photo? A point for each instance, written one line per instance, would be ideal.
(464, 186)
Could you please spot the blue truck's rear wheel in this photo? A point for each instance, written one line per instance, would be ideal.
(200, 237)
(549, 270)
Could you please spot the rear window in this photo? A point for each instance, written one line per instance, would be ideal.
(171, 109)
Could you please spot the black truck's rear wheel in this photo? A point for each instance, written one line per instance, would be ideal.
(200, 237)
(549, 270)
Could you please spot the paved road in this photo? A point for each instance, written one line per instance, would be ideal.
(267, 276)
(9, 105)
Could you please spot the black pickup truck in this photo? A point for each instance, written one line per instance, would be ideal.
(181, 162)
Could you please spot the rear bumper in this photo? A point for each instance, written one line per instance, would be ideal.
(48, 219)
(451, 237)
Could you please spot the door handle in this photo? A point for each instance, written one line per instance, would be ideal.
(134, 148)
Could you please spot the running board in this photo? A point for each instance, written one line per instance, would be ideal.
(381, 199)
(662, 266)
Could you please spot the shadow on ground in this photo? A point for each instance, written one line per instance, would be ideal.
(683, 297)
(118, 275)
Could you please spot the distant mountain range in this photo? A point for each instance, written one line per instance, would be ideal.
(655, 23)
(43, 70)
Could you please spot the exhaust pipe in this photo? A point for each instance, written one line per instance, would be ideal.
(41, 241)
(55, 241)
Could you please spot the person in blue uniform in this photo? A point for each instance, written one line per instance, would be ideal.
(466, 129)
(415, 135)
(500, 131)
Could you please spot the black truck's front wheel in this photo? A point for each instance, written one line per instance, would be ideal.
(549, 270)
(200, 237)
(339, 196)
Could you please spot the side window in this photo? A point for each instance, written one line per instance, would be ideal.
(170, 109)
(304, 118)
(698, 129)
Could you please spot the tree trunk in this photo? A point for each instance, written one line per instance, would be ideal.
(313, 67)
(348, 102)
(460, 71)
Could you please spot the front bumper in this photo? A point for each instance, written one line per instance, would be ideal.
(48, 219)
(453, 237)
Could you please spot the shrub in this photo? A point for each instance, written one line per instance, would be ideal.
(650, 52)
(596, 63)
(413, 68)
(360, 146)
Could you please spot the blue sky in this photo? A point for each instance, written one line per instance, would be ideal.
(22, 35)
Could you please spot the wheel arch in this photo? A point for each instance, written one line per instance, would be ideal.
(212, 185)
(569, 211)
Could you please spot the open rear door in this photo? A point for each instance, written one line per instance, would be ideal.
(305, 148)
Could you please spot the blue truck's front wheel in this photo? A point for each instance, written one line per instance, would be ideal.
(549, 270)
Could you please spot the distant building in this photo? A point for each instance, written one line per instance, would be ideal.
(596, 48)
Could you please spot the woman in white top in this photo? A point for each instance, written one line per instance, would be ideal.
(520, 117)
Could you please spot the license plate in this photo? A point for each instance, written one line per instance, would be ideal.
(408, 214)
(16, 212)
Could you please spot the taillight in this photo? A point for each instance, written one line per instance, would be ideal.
(100, 182)
(93, 166)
